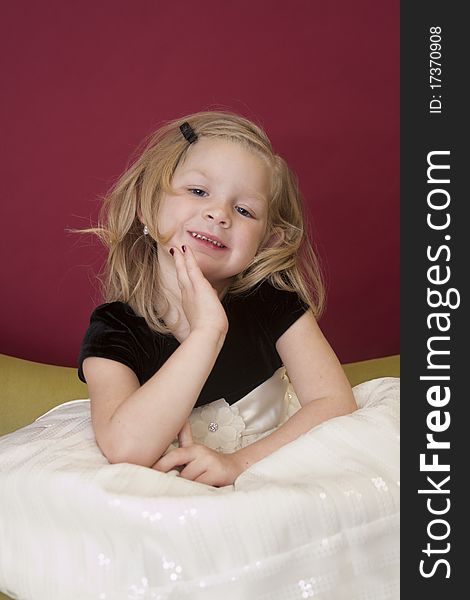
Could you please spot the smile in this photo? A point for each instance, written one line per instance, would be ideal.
(199, 236)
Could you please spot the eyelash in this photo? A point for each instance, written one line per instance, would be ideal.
(197, 190)
(239, 208)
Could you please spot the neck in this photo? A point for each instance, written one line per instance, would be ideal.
(169, 291)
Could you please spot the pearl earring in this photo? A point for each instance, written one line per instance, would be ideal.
(146, 230)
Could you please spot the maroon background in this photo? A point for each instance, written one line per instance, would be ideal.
(85, 82)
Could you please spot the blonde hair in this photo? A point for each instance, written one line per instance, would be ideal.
(131, 273)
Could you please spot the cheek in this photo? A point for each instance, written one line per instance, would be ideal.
(252, 243)
(260, 238)
(162, 211)
(166, 222)
(170, 212)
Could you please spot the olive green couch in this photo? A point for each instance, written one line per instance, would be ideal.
(29, 389)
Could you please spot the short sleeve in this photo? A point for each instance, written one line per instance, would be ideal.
(279, 309)
(117, 333)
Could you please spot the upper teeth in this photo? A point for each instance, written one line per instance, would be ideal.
(203, 237)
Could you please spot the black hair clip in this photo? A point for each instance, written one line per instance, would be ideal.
(188, 132)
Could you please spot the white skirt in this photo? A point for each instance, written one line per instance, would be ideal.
(318, 518)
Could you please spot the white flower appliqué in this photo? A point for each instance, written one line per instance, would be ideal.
(218, 426)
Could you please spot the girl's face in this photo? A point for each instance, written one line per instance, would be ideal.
(222, 191)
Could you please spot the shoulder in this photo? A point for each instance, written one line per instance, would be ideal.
(110, 311)
(273, 302)
(116, 332)
(117, 317)
(117, 322)
(268, 294)
(274, 309)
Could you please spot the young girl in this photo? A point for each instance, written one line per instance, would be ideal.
(212, 294)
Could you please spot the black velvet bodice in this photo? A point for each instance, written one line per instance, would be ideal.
(247, 358)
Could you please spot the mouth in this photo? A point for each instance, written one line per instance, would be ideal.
(207, 241)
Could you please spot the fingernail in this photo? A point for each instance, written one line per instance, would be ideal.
(172, 251)
(183, 248)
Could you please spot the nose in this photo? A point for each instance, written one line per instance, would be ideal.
(218, 213)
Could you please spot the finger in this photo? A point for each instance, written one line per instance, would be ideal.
(185, 436)
(206, 478)
(181, 270)
(195, 274)
(156, 464)
(193, 470)
(178, 457)
(190, 259)
(193, 269)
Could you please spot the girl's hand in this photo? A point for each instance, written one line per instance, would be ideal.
(202, 464)
(200, 303)
(185, 436)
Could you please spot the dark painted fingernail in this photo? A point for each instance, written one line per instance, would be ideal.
(172, 251)
(183, 248)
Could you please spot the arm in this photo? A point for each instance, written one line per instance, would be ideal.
(319, 381)
(137, 424)
(323, 391)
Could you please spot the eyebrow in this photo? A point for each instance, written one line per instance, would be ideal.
(257, 197)
(198, 173)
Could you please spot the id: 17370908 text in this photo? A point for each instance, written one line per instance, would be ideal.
(435, 69)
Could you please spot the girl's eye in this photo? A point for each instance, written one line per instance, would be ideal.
(196, 191)
(244, 212)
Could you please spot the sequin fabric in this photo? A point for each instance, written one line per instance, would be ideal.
(318, 518)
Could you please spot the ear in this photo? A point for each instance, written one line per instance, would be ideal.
(139, 215)
(274, 238)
